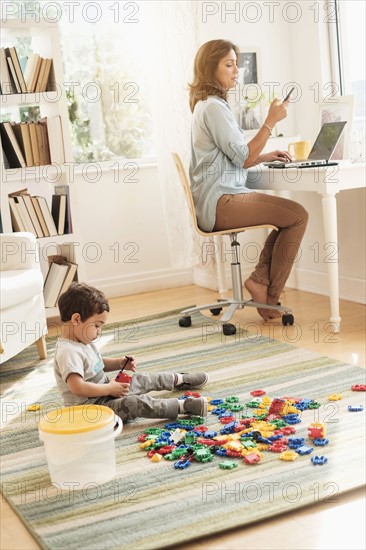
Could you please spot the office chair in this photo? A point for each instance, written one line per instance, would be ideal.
(237, 301)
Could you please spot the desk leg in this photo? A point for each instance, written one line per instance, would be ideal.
(329, 206)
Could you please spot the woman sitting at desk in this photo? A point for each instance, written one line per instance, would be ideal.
(220, 158)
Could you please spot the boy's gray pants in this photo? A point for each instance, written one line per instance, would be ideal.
(138, 404)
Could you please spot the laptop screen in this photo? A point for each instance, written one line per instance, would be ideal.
(326, 141)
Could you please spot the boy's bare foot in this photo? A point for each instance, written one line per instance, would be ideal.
(259, 293)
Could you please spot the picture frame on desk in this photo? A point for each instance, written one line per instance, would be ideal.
(338, 109)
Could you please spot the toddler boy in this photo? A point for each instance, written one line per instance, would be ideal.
(80, 370)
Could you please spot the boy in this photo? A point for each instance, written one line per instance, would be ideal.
(80, 370)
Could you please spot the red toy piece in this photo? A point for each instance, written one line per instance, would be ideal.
(258, 393)
(252, 458)
(358, 387)
(276, 406)
(192, 394)
(123, 377)
(233, 454)
(205, 441)
(317, 430)
(227, 419)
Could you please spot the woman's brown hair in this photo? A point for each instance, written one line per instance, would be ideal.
(205, 65)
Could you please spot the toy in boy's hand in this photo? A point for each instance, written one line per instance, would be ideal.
(123, 377)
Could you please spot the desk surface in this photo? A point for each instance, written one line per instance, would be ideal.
(326, 181)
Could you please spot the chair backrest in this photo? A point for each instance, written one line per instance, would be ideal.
(187, 191)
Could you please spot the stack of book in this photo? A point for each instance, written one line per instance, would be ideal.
(33, 143)
(32, 213)
(60, 275)
(28, 74)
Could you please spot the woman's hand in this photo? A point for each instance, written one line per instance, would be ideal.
(282, 156)
(277, 111)
(117, 389)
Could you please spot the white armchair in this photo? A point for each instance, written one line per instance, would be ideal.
(22, 311)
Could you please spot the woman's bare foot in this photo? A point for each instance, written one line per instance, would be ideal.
(259, 293)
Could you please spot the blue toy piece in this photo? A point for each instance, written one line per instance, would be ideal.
(216, 401)
(319, 460)
(304, 450)
(229, 428)
(221, 452)
(210, 434)
(295, 442)
(355, 408)
(320, 442)
(182, 464)
(292, 418)
(275, 437)
(217, 411)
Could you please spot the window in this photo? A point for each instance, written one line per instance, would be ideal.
(106, 63)
(348, 49)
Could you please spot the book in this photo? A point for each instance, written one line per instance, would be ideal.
(5, 81)
(58, 210)
(33, 76)
(54, 281)
(30, 69)
(12, 53)
(34, 143)
(70, 275)
(16, 220)
(24, 215)
(43, 75)
(11, 146)
(55, 138)
(40, 217)
(40, 143)
(64, 190)
(52, 230)
(21, 131)
(13, 76)
(32, 214)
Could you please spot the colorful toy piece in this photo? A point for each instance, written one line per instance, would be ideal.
(288, 456)
(156, 457)
(320, 442)
(304, 450)
(252, 458)
(319, 460)
(228, 465)
(335, 397)
(355, 408)
(34, 407)
(317, 430)
(182, 464)
(358, 387)
(257, 393)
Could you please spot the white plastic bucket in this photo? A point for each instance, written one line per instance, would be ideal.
(79, 445)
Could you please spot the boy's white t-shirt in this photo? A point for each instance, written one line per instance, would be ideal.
(75, 357)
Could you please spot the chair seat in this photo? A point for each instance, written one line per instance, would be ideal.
(17, 286)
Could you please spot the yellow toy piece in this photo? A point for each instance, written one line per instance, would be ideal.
(234, 446)
(252, 450)
(288, 455)
(335, 397)
(262, 446)
(147, 443)
(289, 409)
(156, 457)
(34, 407)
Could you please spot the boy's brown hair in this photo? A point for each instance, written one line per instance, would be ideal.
(83, 299)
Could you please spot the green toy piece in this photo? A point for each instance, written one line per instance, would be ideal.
(228, 465)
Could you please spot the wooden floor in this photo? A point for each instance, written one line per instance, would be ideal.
(322, 526)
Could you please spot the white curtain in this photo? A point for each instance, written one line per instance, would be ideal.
(174, 42)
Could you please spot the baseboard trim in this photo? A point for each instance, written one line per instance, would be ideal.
(351, 289)
(143, 282)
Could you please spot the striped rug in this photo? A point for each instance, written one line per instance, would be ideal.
(152, 505)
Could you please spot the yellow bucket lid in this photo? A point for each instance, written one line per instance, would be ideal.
(76, 419)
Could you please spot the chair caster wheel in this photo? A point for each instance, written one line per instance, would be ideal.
(288, 319)
(216, 310)
(185, 321)
(228, 329)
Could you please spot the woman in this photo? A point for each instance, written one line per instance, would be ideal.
(218, 172)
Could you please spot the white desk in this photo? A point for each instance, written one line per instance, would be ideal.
(327, 182)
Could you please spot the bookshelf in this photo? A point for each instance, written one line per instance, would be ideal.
(41, 180)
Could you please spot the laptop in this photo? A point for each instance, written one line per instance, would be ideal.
(321, 151)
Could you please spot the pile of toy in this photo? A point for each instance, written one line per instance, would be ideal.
(269, 427)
